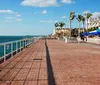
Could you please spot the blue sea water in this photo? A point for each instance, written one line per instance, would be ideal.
(10, 38)
(4, 39)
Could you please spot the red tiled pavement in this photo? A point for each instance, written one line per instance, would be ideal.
(71, 64)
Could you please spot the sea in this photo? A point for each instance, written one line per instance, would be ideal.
(4, 39)
(10, 38)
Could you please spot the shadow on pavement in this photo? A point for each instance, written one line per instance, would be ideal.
(51, 79)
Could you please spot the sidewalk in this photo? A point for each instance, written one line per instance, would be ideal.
(75, 64)
(93, 40)
(52, 62)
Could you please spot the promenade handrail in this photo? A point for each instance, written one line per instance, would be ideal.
(18, 45)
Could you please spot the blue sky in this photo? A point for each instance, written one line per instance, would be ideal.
(37, 17)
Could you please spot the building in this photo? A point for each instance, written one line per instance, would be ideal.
(61, 31)
(94, 22)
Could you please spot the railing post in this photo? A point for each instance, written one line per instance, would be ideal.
(32, 39)
(12, 49)
(20, 45)
(23, 44)
(29, 41)
(4, 52)
(16, 46)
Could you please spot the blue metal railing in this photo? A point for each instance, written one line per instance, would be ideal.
(9, 48)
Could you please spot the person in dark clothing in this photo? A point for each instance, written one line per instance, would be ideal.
(82, 36)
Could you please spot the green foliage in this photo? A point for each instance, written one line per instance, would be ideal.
(72, 15)
(92, 29)
(83, 19)
(56, 24)
(61, 24)
(74, 32)
(88, 15)
(79, 18)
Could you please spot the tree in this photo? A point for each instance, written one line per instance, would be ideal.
(79, 18)
(83, 21)
(72, 16)
(61, 24)
(88, 15)
(55, 25)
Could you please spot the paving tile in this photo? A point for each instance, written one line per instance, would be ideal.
(43, 74)
(17, 82)
(33, 75)
(4, 72)
(10, 65)
(30, 82)
(19, 65)
(43, 82)
(4, 64)
(27, 65)
(70, 65)
(5, 82)
(36, 64)
(9, 76)
(21, 76)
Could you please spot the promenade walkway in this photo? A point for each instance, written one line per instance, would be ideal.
(52, 62)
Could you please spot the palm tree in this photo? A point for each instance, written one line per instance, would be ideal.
(72, 16)
(62, 24)
(83, 21)
(55, 25)
(88, 15)
(79, 18)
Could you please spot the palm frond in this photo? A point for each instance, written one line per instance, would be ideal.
(72, 15)
(88, 15)
(56, 24)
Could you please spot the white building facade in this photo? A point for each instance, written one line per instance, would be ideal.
(93, 22)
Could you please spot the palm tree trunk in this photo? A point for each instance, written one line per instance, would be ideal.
(79, 29)
(83, 27)
(86, 28)
(70, 27)
(87, 25)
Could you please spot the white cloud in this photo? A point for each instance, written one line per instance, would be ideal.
(56, 21)
(44, 12)
(63, 17)
(96, 14)
(39, 3)
(13, 17)
(18, 15)
(76, 13)
(86, 12)
(18, 19)
(8, 11)
(9, 17)
(8, 20)
(67, 1)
